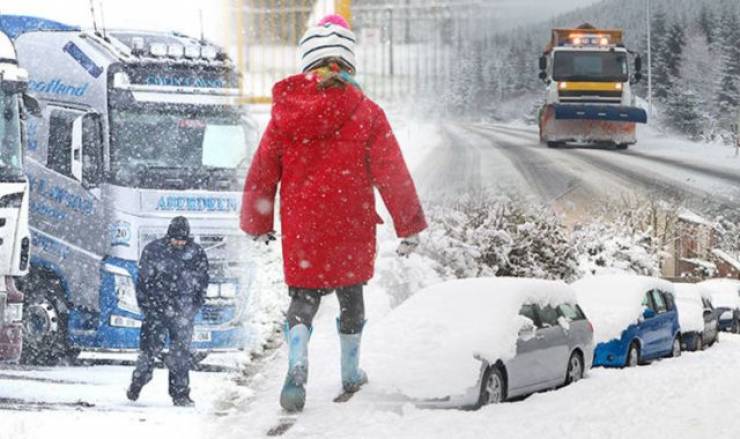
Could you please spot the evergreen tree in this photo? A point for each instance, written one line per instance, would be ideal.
(673, 48)
(707, 24)
(683, 111)
(728, 50)
(660, 55)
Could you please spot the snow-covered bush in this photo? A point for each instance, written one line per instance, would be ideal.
(479, 236)
(607, 248)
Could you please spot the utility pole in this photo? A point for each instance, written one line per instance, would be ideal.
(650, 59)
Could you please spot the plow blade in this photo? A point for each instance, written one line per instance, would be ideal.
(612, 113)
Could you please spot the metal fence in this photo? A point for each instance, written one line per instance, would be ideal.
(407, 49)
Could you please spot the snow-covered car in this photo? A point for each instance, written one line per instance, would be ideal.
(726, 299)
(698, 319)
(635, 318)
(467, 343)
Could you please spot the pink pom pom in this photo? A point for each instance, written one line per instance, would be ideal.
(334, 19)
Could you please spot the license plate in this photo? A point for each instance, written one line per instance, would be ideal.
(201, 335)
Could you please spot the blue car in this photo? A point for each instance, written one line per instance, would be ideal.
(643, 308)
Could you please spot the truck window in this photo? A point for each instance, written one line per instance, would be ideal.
(59, 158)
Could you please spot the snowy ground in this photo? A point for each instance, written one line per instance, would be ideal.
(693, 396)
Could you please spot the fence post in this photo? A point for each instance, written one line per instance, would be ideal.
(344, 8)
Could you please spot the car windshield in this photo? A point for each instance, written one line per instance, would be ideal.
(10, 133)
(186, 148)
(590, 66)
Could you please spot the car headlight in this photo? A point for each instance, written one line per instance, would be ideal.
(126, 293)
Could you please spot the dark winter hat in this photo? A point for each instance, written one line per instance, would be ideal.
(179, 228)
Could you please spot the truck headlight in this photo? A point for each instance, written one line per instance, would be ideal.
(13, 313)
(228, 290)
(126, 293)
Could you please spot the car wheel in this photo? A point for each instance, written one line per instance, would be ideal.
(555, 144)
(493, 387)
(575, 368)
(676, 350)
(735, 327)
(699, 342)
(633, 355)
(622, 146)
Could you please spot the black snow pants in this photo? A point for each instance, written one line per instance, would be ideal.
(154, 332)
(305, 303)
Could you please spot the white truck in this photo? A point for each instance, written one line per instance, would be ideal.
(589, 97)
(14, 232)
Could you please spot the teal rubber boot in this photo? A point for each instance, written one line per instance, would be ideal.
(293, 395)
(352, 376)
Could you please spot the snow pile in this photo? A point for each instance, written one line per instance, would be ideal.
(725, 292)
(690, 307)
(425, 348)
(614, 302)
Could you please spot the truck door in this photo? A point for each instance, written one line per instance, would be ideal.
(66, 211)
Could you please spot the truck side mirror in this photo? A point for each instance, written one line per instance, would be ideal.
(31, 105)
(92, 151)
(543, 62)
(637, 78)
(638, 64)
(543, 75)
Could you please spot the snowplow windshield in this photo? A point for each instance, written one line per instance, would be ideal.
(10, 133)
(590, 66)
(177, 143)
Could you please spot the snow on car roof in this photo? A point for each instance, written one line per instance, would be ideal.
(690, 307)
(725, 292)
(613, 302)
(425, 348)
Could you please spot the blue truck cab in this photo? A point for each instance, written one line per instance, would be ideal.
(137, 128)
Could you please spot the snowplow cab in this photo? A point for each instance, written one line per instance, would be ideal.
(589, 97)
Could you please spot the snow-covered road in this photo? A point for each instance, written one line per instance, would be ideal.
(510, 159)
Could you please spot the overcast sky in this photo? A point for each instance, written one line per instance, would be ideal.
(516, 12)
(177, 15)
(182, 15)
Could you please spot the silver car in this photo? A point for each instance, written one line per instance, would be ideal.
(555, 348)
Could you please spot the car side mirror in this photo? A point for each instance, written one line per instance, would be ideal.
(527, 329)
(648, 313)
(32, 105)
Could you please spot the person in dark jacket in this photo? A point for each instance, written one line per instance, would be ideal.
(171, 288)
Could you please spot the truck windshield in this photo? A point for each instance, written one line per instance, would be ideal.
(177, 149)
(11, 166)
(590, 66)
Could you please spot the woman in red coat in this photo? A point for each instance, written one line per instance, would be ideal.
(329, 147)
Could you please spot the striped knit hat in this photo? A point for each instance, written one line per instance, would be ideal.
(332, 38)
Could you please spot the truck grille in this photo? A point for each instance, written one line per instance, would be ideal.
(591, 96)
(214, 315)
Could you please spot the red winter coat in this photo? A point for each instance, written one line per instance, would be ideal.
(328, 149)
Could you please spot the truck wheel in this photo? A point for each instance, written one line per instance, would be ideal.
(623, 146)
(555, 144)
(45, 316)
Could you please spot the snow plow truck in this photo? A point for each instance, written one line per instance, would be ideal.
(589, 96)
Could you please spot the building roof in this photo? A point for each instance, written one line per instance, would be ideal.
(727, 258)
